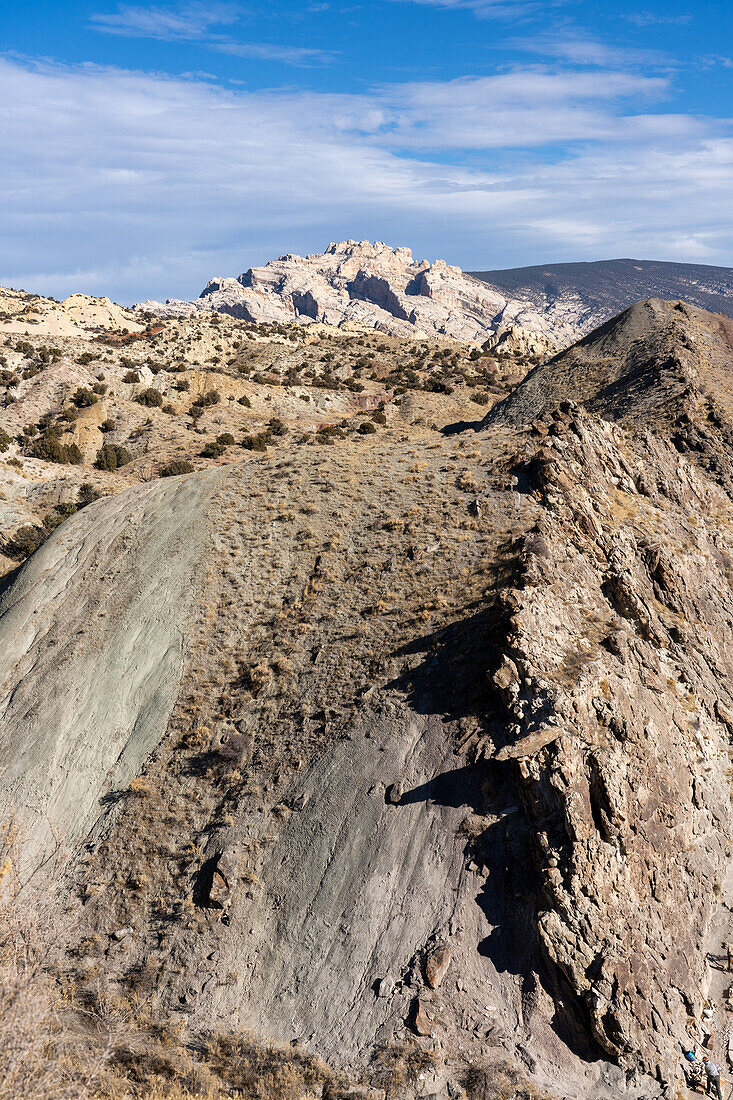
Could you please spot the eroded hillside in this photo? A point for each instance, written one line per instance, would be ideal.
(95, 399)
(409, 752)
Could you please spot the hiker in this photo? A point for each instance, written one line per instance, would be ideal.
(712, 1073)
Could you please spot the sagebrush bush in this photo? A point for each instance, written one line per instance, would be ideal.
(50, 448)
(151, 397)
(84, 397)
(213, 449)
(25, 540)
(256, 442)
(176, 467)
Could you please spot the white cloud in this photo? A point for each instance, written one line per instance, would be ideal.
(578, 48)
(142, 185)
(653, 18)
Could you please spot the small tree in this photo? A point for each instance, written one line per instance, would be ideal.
(111, 456)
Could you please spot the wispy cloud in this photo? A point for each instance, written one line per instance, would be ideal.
(491, 9)
(653, 18)
(289, 55)
(184, 24)
(579, 48)
(175, 180)
(714, 59)
(200, 23)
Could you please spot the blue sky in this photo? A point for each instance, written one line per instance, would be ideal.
(149, 147)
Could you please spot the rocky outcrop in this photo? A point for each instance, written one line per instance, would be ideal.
(369, 284)
(625, 784)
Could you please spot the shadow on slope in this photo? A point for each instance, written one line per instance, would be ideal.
(455, 680)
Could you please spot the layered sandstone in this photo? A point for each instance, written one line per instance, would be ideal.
(360, 283)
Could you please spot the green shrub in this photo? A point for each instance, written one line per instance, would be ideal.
(50, 448)
(327, 431)
(150, 397)
(434, 386)
(481, 398)
(87, 493)
(226, 439)
(213, 450)
(24, 542)
(107, 426)
(379, 417)
(367, 428)
(83, 398)
(86, 358)
(244, 400)
(204, 400)
(131, 376)
(111, 456)
(5, 440)
(176, 467)
(256, 442)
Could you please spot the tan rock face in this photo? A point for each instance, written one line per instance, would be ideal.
(436, 965)
(627, 798)
(383, 288)
(423, 1021)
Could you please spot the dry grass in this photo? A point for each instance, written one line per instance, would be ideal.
(60, 1043)
(501, 1081)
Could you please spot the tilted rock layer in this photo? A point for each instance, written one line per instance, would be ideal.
(442, 730)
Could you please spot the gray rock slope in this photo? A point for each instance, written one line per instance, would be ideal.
(93, 635)
(645, 366)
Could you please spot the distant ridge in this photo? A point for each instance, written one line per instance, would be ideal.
(590, 293)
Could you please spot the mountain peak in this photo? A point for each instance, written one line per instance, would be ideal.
(380, 286)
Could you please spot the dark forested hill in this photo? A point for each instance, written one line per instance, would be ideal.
(592, 292)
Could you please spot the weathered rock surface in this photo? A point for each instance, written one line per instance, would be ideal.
(619, 629)
(365, 284)
(93, 637)
(432, 752)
